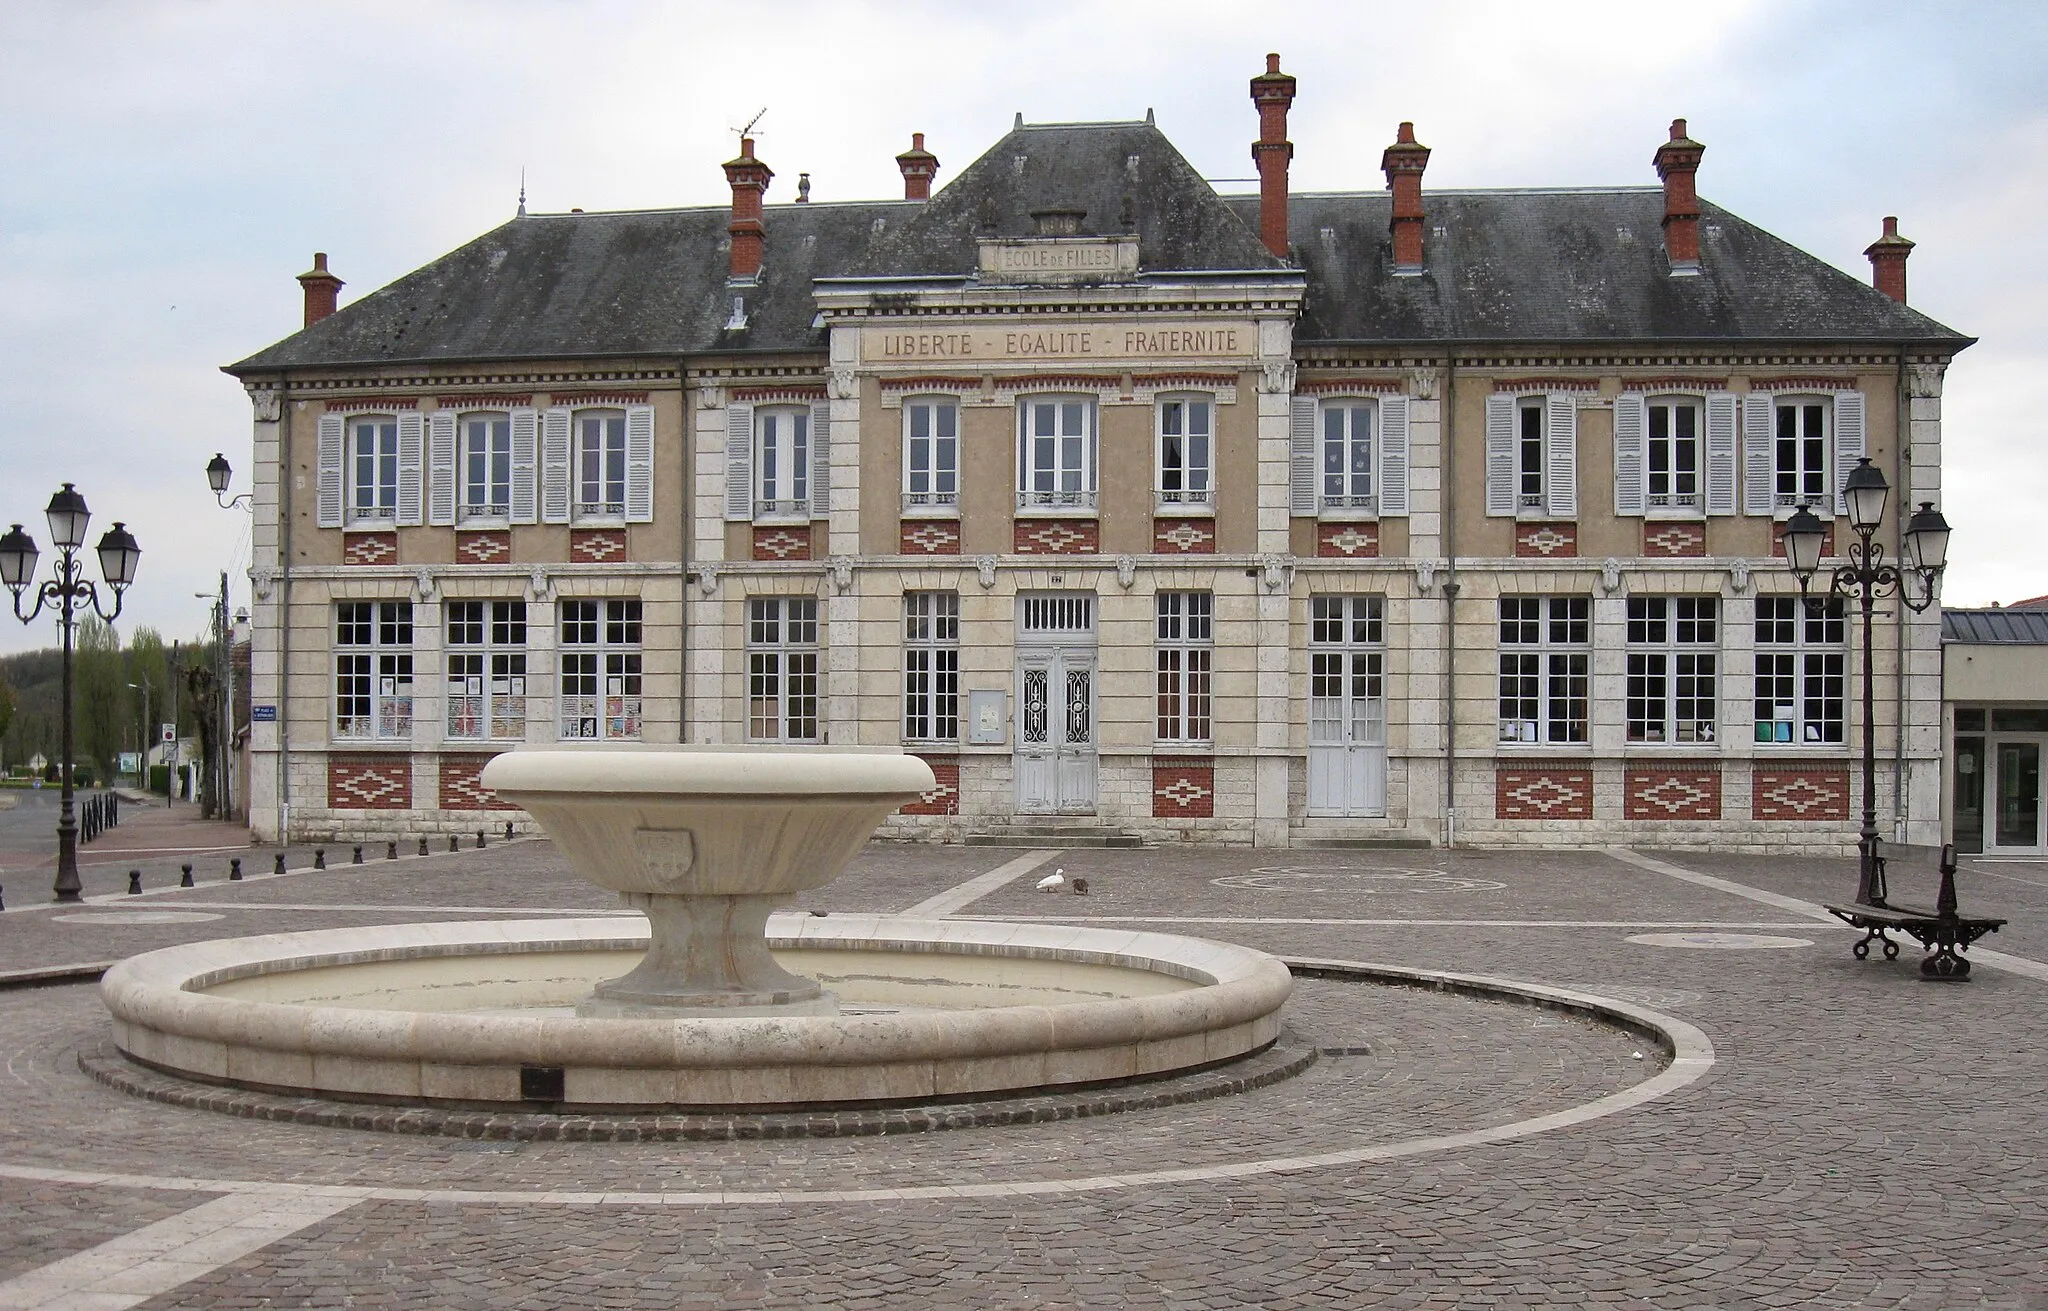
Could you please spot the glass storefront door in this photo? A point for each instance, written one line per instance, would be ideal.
(2017, 774)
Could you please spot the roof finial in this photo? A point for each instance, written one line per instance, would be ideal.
(522, 191)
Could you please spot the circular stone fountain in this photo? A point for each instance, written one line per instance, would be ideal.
(720, 1005)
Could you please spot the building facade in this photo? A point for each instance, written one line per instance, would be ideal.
(1137, 509)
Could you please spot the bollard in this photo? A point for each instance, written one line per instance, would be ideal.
(235, 870)
(185, 875)
(134, 882)
(391, 851)
(479, 839)
(3, 900)
(319, 858)
(454, 843)
(359, 855)
(508, 830)
(423, 846)
(277, 868)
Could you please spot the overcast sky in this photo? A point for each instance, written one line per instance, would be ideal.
(166, 169)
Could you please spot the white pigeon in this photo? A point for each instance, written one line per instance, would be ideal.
(1054, 881)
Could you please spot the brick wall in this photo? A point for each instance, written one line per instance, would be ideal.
(1799, 790)
(1670, 792)
(485, 547)
(1184, 536)
(943, 799)
(369, 782)
(1674, 539)
(930, 537)
(1358, 541)
(1546, 540)
(1542, 792)
(369, 548)
(597, 545)
(1057, 537)
(1183, 789)
(460, 788)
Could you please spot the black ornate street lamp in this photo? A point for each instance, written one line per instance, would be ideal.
(1865, 577)
(67, 592)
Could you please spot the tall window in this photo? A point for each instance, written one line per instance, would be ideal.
(1185, 634)
(487, 669)
(486, 464)
(1348, 477)
(1186, 451)
(782, 669)
(600, 663)
(1800, 455)
(373, 669)
(1056, 452)
(1529, 453)
(782, 464)
(931, 666)
(600, 463)
(373, 466)
(1545, 646)
(1673, 463)
(931, 453)
(1799, 657)
(1672, 645)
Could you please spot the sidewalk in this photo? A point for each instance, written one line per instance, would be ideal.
(151, 836)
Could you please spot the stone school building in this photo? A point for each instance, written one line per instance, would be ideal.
(1139, 510)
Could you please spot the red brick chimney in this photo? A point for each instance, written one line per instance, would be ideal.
(1403, 163)
(1888, 260)
(1273, 92)
(749, 179)
(1677, 160)
(323, 289)
(917, 165)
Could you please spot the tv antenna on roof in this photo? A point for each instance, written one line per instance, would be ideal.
(751, 129)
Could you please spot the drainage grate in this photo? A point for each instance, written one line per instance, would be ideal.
(541, 1083)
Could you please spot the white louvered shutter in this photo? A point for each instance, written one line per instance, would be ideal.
(1500, 454)
(639, 464)
(441, 468)
(1631, 436)
(525, 452)
(554, 465)
(1301, 456)
(1394, 455)
(821, 460)
(1721, 452)
(327, 478)
(1561, 456)
(739, 463)
(412, 439)
(1757, 465)
(1851, 443)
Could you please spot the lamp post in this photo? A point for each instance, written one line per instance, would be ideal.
(143, 730)
(219, 473)
(1865, 577)
(67, 592)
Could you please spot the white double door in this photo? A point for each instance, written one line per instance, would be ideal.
(1055, 752)
(1347, 713)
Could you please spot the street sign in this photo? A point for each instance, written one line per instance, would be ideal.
(170, 753)
(263, 714)
(170, 733)
(131, 762)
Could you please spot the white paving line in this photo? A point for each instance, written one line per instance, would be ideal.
(1692, 1056)
(1997, 960)
(1402, 923)
(129, 1270)
(956, 898)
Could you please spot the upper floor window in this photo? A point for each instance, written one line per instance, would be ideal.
(485, 460)
(1186, 445)
(1348, 480)
(1671, 457)
(1799, 454)
(1672, 676)
(931, 666)
(1185, 635)
(487, 669)
(1545, 648)
(1799, 655)
(373, 669)
(1529, 453)
(373, 466)
(1056, 452)
(931, 453)
(599, 660)
(600, 463)
(782, 669)
(782, 462)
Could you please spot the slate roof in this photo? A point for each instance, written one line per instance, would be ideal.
(1996, 627)
(1535, 266)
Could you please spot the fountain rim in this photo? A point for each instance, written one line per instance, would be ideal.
(594, 774)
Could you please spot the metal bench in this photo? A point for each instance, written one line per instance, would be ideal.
(1943, 931)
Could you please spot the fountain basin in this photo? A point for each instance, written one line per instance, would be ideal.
(482, 1014)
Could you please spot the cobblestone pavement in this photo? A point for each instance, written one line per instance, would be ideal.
(1863, 1139)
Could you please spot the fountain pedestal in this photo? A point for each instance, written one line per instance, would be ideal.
(706, 842)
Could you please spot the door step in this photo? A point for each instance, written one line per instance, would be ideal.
(1391, 842)
(1053, 834)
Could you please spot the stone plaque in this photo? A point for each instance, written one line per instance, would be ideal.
(1059, 341)
(1059, 259)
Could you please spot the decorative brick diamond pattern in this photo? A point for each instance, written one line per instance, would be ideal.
(931, 537)
(782, 543)
(597, 545)
(460, 788)
(1827, 540)
(1542, 792)
(1357, 541)
(1183, 789)
(1800, 791)
(1652, 792)
(369, 548)
(1547, 540)
(369, 782)
(493, 547)
(1674, 539)
(1183, 537)
(943, 799)
(1058, 537)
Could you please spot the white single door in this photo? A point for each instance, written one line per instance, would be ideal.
(1056, 683)
(1347, 707)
